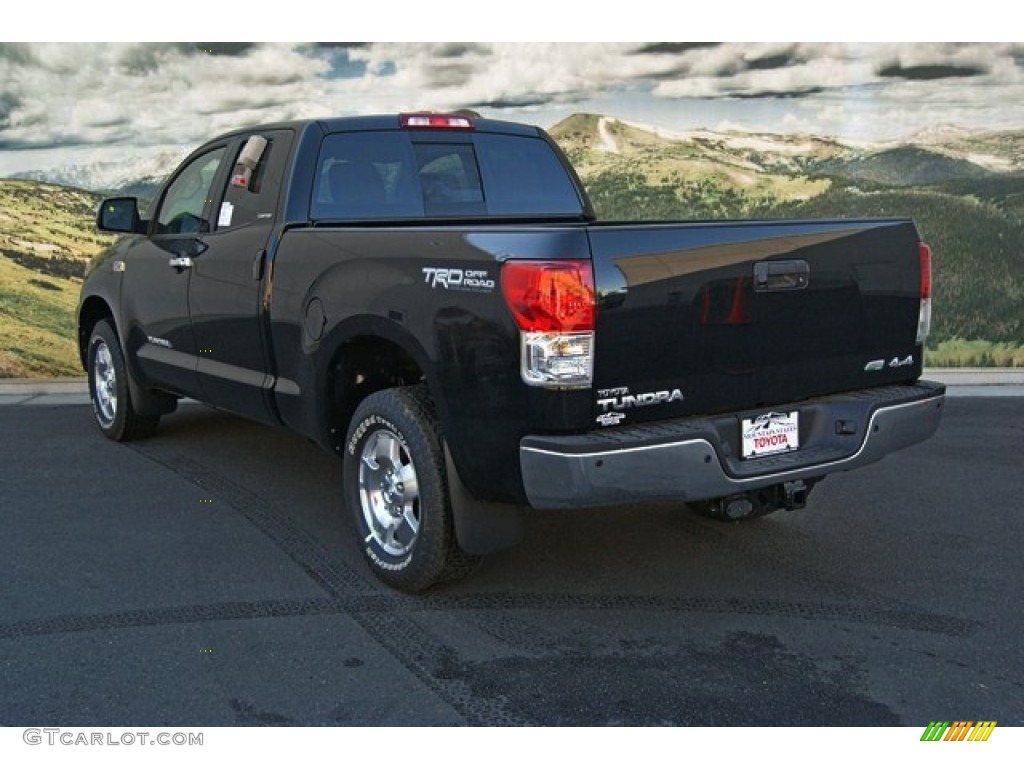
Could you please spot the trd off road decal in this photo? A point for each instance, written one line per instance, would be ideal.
(451, 279)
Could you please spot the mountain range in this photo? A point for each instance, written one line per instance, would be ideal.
(137, 174)
(932, 155)
(597, 142)
(965, 190)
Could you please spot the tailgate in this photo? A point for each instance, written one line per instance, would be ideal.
(726, 316)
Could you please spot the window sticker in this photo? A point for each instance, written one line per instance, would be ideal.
(227, 210)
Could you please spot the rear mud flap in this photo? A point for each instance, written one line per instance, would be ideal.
(481, 527)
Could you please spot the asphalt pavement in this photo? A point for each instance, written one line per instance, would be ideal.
(208, 576)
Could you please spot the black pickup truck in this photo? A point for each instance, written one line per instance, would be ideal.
(430, 297)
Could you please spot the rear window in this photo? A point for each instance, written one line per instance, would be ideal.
(524, 176)
(388, 175)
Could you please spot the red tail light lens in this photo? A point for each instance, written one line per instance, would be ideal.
(553, 305)
(925, 254)
(550, 295)
(924, 313)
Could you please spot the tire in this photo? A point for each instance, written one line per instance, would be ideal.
(396, 489)
(109, 391)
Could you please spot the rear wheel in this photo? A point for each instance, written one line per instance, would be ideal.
(108, 388)
(396, 488)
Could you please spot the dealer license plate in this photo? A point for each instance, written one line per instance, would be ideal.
(770, 433)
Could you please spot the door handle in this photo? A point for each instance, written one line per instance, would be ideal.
(180, 262)
(789, 275)
(257, 264)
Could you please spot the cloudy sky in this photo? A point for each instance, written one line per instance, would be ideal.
(85, 102)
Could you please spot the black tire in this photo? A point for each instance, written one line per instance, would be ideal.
(109, 391)
(407, 535)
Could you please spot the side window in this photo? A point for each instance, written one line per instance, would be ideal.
(185, 202)
(252, 195)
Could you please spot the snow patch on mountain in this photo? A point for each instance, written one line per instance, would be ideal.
(111, 171)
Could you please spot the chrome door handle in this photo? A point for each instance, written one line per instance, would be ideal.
(180, 262)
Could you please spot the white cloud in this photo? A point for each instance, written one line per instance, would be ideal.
(152, 93)
(131, 94)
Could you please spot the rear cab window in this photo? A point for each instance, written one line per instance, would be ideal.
(402, 174)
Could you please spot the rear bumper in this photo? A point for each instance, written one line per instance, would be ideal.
(698, 458)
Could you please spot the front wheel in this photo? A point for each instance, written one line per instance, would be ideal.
(396, 488)
(108, 388)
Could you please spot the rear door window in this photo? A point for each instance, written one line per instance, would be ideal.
(253, 197)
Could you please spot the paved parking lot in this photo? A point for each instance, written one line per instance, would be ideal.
(208, 576)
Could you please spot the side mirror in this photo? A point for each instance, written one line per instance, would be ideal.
(119, 214)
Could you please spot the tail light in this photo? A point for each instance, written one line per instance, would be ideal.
(924, 315)
(553, 305)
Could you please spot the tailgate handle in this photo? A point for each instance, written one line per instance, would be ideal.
(790, 275)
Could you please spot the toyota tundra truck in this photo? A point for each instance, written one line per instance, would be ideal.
(429, 297)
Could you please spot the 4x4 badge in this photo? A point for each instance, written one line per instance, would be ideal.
(610, 419)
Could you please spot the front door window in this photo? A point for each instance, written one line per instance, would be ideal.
(184, 207)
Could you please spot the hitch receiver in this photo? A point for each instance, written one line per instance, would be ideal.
(795, 494)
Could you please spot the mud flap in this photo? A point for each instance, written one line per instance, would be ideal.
(481, 527)
(150, 403)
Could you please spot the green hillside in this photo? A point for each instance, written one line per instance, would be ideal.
(965, 192)
(903, 167)
(978, 260)
(703, 166)
(46, 237)
(972, 217)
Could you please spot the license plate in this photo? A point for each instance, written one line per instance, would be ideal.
(770, 433)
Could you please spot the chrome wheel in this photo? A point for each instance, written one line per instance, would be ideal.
(110, 388)
(104, 379)
(389, 493)
(395, 489)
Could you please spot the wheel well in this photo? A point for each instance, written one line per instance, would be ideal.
(362, 366)
(93, 310)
